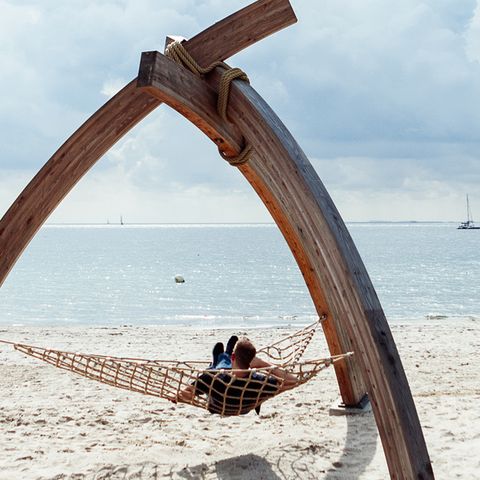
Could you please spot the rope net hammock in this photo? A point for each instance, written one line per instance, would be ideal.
(225, 392)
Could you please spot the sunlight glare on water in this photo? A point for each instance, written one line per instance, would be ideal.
(234, 275)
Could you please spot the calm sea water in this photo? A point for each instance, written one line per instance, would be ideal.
(241, 275)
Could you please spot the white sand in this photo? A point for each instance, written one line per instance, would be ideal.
(57, 425)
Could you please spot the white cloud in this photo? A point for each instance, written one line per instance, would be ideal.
(472, 36)
(108, 194)
(383, 95)
(112, 86)
(12, 182)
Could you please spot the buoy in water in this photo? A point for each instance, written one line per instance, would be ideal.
(179, 279)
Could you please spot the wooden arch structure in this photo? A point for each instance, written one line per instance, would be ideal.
(288, 185)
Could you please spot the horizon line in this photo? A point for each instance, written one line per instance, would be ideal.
(233, 223)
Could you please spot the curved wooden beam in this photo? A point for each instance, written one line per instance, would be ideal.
(334, 272)
(119, 115)
(291, 190)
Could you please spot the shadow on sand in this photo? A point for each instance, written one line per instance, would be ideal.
(235, 468)
(292, 462)
(359, 450)
(287, 463)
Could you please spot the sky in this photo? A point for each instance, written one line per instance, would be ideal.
(383, 97)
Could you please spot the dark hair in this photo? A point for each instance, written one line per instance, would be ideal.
(245, 352)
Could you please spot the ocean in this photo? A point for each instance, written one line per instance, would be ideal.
(235, 275)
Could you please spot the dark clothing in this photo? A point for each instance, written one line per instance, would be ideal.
(230, 395)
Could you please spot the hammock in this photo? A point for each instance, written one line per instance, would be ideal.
(226, 392)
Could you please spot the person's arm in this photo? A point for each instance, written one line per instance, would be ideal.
(289, 380)
(186, 395)
(197, 387)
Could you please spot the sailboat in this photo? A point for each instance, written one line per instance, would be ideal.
(468, 224)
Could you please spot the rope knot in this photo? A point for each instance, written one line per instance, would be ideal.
(241, 158)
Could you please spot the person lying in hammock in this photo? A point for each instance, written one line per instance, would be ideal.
(242, 390)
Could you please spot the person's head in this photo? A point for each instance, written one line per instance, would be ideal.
(244, 353)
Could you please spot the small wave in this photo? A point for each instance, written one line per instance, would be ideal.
(453, 318)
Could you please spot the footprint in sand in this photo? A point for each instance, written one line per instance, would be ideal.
(20, 459)
(144, 420)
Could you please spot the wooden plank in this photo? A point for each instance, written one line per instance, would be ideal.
(173, 79)
(338, 281)
(119, 115)
(240, 30)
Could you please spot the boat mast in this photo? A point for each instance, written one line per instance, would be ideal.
(469, 213)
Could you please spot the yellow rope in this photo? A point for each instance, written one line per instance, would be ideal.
(241, 158)
(177, 52)
(224, 88)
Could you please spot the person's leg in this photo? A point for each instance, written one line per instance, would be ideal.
(217, 351)
(224, 361)
(231, 344)
(223, 358)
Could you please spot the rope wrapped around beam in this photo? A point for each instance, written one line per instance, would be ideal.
(177, 52)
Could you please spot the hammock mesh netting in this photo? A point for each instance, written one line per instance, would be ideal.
(226, 392)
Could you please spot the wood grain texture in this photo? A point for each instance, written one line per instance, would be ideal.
(250, 25)
(201, 109)
(104, 128)
(339, 284)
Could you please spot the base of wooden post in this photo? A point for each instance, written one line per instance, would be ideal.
(363, 406)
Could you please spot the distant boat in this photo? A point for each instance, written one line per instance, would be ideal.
(121, 220)
(468, 224)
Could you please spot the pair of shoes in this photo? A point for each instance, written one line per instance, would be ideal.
(217, 350)
(231, 344)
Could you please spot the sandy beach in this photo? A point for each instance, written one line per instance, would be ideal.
(58, 425)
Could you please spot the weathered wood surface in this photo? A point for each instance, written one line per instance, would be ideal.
(240, 30)
(119, 115)
(338, 281)
(201, 108)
